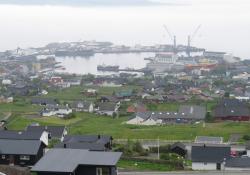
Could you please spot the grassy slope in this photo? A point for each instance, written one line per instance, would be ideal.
(86, 123)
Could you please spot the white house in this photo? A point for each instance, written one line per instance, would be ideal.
(209, 157)
(6, 82)
(60, 111)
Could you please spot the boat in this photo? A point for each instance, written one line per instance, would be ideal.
(108, 68)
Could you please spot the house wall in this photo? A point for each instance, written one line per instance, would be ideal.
(248, 153)
(45, 138)
(91, 170)
(32, 161)
(203, 166)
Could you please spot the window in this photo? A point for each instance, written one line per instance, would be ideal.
(23, 157)
(102, 171)
(3, 156)
(98, 171)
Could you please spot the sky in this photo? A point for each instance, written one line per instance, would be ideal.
(225, 23)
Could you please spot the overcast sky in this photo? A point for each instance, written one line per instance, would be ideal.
(125, 2)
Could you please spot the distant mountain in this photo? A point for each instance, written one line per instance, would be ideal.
(89, 2)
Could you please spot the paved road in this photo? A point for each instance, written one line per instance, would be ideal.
(188, 173)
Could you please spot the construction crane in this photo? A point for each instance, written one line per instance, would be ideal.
(190, 39)
(173, 39)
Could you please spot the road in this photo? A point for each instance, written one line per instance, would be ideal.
(188, 173)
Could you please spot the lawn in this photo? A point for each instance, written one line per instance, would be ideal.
(142, 165)
(85, 123)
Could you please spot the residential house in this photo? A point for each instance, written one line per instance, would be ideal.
(186, 114)
(112, 99)
(55, 132)
(83, 106)
(90, 142)
(193, 112)
(209, 157)
(74, 161)
(179, 148)
(231, 109)
(60, 111)
(20, 152)
(209, 140)
(238, 164)
(124, 94)
(44, 101)
(109, 109)
(136, 108)
(42, 136)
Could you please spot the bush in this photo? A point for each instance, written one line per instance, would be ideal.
(246, 137)
(163, 149)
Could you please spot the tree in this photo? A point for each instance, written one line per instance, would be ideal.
(208, 117)
(227, 94)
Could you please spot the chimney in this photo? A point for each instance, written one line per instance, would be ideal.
(204, 145)
(64, 145)
(99, 136)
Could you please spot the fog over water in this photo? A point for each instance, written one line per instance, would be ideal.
(225, 24)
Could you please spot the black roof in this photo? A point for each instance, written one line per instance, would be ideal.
(101, 139)
(238, 162)
(19, 147)
(82, 145)
(231, 107)
(54, 131)
(210, 153)
(20, 135)
(37, 100)
(178, 144)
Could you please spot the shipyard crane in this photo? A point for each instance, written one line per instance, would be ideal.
(173, 38)
(190, 39)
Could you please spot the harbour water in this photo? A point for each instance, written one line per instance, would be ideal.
(85, 65)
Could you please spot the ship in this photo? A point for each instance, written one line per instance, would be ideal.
(74, 53)
(163, 62)
(108, 68)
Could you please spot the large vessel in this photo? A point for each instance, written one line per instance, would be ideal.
(108, 68)
(163, 62)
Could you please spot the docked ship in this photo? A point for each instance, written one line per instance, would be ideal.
(74, 53)
(108, 68)
(163, 62)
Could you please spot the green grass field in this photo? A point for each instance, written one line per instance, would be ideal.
(141, 165)
(86, 123)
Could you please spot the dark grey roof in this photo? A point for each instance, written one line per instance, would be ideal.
(210, 154)
(178, 144)
(102, 139)
(47, 101)
(82, 145)
(193, 111)
(19, 147)
(107, 106)
(54, 131)
(231, 107)
(209, 140)
(20, 135)
(238, 162)
(67, 160)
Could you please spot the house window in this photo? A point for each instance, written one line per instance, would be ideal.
(102, 171)
(23, 157)
(98, 171)
(3, 156)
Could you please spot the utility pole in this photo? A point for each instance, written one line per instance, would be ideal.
(158, 151)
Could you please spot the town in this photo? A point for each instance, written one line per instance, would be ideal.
(179, 113)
